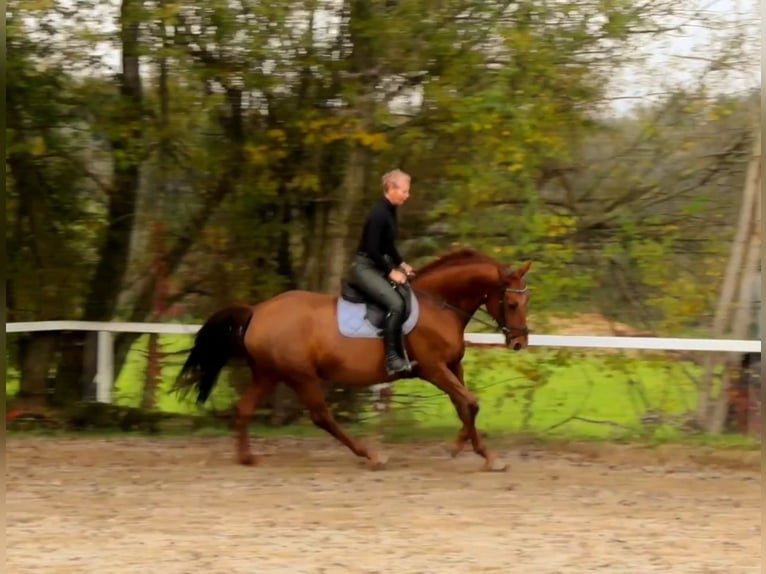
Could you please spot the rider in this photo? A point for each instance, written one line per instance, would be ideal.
(378, 263)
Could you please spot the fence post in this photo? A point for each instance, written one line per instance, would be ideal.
(104, 367)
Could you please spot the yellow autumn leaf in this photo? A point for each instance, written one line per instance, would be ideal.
(277, 134)
(39, 147)
(376, 142)
(36, 5)
(305, 181)
(257, 154)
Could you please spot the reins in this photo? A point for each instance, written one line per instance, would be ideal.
(444, 305)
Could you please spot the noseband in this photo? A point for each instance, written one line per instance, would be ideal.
(506, 329)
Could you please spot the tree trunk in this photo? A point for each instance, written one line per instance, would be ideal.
(113, 254)
(347, 196)
(711, 412)
(285, 266)
(234, 128)
(742, 315)
(36, 352)
(159, 213)
(350, 194)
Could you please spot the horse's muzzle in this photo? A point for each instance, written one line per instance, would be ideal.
(516, 338)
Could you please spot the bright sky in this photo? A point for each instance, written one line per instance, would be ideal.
(680, 58)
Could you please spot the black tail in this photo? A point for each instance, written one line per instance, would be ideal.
(220, 339)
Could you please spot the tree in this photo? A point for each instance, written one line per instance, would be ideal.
(254, 134)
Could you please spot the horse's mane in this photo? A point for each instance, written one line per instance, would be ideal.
(454, 258)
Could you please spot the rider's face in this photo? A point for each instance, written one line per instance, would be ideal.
(399, 191)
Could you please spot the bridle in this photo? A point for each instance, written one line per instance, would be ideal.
(508, 329)
(500, 323)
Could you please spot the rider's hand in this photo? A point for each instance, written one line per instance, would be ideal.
(398, 276)
(407, 269)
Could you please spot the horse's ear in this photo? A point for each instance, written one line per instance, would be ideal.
(524, 268)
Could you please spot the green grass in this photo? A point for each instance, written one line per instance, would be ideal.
(553, 394)
(562, 394)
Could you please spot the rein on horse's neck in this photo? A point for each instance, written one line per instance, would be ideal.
(462, 287)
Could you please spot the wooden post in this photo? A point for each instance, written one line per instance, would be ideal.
(105, 367)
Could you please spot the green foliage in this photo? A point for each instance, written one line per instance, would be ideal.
(552, 393)
(557, 394)
(249, 143)
(53, 215)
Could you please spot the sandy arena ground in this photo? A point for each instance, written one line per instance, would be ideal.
(180, 506)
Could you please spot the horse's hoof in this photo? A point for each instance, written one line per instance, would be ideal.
(495, 466)
(247, 460)
(378, 464)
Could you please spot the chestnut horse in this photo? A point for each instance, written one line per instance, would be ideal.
(294, 337)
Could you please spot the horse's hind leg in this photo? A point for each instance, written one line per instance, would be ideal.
(309, 391)
(260, 388)
(463, 436)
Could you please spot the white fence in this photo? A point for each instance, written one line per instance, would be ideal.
(106, 330)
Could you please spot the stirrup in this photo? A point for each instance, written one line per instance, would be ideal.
(405, 368)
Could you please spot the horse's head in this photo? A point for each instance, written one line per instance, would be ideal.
(508, 306)
(465, 279)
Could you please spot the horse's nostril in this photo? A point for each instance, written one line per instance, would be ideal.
(517, 347)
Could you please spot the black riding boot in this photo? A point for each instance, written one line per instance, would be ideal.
(392, 333)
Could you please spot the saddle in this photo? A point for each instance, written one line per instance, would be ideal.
(374, 313)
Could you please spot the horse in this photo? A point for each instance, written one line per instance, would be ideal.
(304, 338)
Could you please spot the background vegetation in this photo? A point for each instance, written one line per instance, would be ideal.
(166, 158)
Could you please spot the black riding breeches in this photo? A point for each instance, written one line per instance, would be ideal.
(369, 279)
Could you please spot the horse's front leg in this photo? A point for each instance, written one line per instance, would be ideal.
(467, 408)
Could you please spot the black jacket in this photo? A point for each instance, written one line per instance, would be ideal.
(380, 234)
